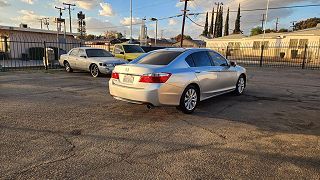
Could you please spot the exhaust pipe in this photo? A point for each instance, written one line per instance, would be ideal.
(150, 106)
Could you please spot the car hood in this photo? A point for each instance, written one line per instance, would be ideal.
(108, 60)
(132, 56)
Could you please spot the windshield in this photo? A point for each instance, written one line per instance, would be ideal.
(98, 53)
(159, 58)
(132, 49)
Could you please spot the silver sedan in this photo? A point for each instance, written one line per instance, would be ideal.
(96, 61)
(178, 77)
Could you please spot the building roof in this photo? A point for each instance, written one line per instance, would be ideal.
(32, 30)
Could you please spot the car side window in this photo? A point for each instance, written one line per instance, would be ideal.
(217, 59)
(81, 52)
(117, 49)
(190, 61)
(74, 52)
(201, 59)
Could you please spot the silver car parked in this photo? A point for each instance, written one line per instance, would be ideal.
(178, 77)
(94, 60)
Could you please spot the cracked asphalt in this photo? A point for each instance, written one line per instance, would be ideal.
(55, 125)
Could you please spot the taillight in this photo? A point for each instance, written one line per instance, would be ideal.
(115, 75)
(155, 77)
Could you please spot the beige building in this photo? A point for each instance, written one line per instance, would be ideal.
(288, 45)
(15, 42)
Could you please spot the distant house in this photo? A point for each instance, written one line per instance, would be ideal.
(288, 45)
(16, 42)
(191, 43)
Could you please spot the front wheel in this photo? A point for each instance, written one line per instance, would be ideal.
(241, 84)
(189, 100)
(94, 70)
(68, 67)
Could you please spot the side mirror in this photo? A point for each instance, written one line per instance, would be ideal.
(83, 56)
(232, 63)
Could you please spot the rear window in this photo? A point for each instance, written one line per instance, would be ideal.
(159, 58)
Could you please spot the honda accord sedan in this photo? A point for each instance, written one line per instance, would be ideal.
(178, 77)
(94, 60)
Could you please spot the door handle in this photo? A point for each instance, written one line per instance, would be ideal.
(197, 71)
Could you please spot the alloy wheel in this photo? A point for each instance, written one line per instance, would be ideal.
(190, 99)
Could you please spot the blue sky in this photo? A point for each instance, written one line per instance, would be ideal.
(104, 15)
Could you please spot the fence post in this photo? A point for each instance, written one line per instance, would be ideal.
(227, 53)
(80, 44)
(261, 56)
(45, 56)
(304, 56)
(109, 46)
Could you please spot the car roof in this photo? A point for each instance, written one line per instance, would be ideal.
(184, 49)
(87, 48)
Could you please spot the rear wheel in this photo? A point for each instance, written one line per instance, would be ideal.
(68, 67)
(189, 100)
(241, 84)
(94, 70)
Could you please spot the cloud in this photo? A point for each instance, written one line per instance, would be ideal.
(172, 22)
(126, 20)
(28, 1)
(4, 3)
(26, 16)
(106, 9)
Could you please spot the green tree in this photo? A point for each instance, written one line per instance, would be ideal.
(178, 37)
(256, 31)
(220, 26)
(211, 24)
(308, 23)
(237, 23)
(283, 30)
(226, 26)
(216, 24)
(205, 31)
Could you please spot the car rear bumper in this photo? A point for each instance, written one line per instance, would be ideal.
(155, 94)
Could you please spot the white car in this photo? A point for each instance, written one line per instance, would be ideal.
(94, 60)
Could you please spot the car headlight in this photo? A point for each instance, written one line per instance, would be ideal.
(109, 65)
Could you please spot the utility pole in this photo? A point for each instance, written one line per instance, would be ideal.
(277, 23)
(46, 22)
(130, 21)
(69, 8)
(184, 19)
(40, 20)
(60, 14)
(162, 33)
(262, 20)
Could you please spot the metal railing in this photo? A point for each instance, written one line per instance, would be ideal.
(20, 55)
(304, 56)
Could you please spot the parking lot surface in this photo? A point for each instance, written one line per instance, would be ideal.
(55, 125)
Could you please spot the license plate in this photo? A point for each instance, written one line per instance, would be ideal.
(128, 79)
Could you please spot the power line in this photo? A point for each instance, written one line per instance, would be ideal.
(271, 8)
(194, 22)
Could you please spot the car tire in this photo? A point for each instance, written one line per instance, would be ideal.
(240, 86)
(94, 70)
(189, 99)
(68, 67)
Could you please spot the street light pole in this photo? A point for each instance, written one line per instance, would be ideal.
(266, 20)
(156, 33)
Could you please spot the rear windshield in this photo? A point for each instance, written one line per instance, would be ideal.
(159, 58)
(98, 53)
(132, 49)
